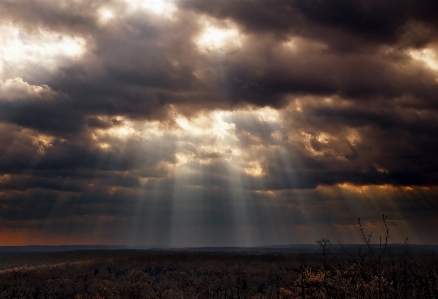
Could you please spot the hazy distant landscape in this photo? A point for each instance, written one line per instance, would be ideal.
(298, 271)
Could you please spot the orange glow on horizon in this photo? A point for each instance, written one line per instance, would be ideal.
(29, 237)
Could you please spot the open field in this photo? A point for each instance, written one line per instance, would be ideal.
(408, 272)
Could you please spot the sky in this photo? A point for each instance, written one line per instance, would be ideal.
(182, 123)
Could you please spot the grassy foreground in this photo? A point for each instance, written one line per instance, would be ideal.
(147, 274)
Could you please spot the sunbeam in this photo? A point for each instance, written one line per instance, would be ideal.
(175, 123)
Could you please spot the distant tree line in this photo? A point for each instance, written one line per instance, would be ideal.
(372, 272)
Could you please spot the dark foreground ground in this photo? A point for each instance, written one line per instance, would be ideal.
(281, 272)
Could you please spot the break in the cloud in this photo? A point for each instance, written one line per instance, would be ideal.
(193, 122)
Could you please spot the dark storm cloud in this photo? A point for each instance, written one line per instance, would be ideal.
(354, 106)
(66, 17)
(372, 21)
(396, 145)
(264, 73)
(139, 64)
(50, 118)
(32, 154)
(336, 141)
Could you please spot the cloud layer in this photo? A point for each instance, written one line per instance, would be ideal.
(167, 122)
